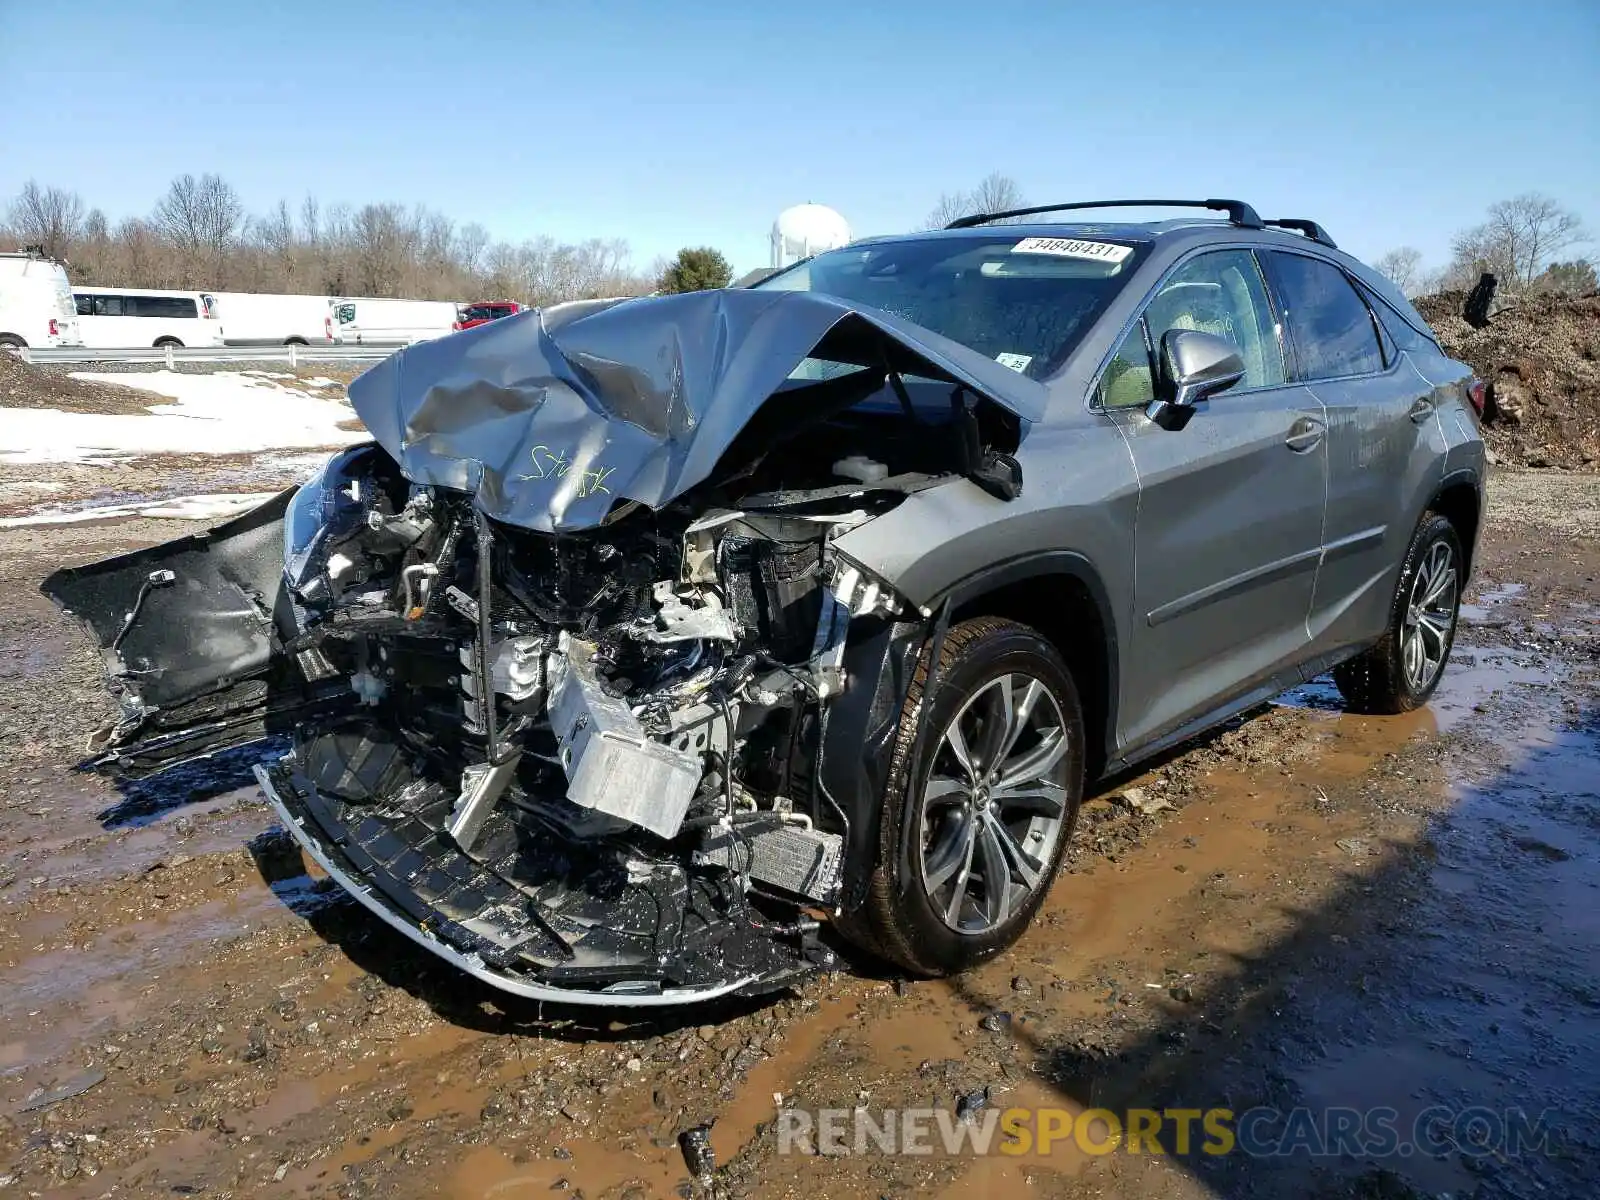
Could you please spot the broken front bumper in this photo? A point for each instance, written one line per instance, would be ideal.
(413, 879)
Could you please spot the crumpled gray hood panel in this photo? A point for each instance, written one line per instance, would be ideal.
(550, 418)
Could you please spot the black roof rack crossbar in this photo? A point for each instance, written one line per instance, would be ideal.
(1310, 228)
(1238, 211)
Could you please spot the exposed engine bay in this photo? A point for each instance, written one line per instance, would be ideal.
(581, 763)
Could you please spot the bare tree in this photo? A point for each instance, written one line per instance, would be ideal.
(1403, 266)
(48, 217)
(199, 214)
(91, 258)
(1521, 238)
(995, 193)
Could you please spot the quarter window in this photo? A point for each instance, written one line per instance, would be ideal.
(1222, 292)
(1128, 381)
(1400, 330)
(1332, 328)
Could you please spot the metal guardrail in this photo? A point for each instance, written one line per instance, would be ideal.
(171, 355)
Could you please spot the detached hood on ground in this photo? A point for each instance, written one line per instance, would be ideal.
(552, 417)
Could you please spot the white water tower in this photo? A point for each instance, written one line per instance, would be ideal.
(804, 230)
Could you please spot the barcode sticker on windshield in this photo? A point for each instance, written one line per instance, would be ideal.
(1072, 248)
(1017, 362)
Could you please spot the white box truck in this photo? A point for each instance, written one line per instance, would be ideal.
(264, 319)
(360, 321)
(36, 308)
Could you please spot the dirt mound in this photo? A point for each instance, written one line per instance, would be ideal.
(24, 385)
(1541, 360)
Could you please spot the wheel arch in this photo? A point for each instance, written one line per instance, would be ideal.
(1459, 500)
(1061, 594)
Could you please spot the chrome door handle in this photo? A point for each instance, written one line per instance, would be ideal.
(1305, 435)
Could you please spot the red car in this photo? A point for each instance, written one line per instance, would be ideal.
(481, 313)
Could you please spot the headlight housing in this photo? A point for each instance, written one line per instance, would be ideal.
(329, 505)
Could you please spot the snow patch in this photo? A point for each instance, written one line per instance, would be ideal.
(224, 412)
(182, 508)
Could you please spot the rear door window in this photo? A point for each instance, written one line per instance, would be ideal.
(1333, 331)
(111, 306)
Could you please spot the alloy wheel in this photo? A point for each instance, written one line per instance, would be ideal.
(994, 805)
(1430, 617)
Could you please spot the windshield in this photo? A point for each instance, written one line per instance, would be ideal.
(1023, 301)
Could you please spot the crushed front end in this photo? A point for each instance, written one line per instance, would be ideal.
(577, 742)
(569, 759)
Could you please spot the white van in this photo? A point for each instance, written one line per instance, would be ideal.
(262, 319)
(36, 303)
(365, 322)
(125, 318)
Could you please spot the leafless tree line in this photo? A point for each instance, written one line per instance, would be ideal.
(198, 235)
(1523, 243)
(995, 193)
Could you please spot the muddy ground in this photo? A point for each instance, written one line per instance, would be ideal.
(1334, 911)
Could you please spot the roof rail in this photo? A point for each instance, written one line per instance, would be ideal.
(1238, 211)
(1310, 228)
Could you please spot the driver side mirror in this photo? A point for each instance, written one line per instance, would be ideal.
(1194, 366)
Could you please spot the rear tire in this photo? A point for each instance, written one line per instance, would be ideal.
(1401, 672)
(10, 341)
(163, 343)
(993, 793)
(296, 341)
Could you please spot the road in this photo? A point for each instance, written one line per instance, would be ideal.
(1328, 910)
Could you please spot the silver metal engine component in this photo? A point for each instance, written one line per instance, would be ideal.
(481, 787)
(612, 766)
(516, 671)
(516, 666)
(314, 664)
(797, 860)
(681, 622)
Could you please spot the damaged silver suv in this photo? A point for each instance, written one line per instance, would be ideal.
(648, 637)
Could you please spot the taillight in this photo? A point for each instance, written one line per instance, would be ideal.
(455, 326)
(327, 327)
(1478, 394)
(54, 332)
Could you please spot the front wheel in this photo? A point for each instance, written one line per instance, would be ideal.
(977, 819)
(1403, 669)
(10, 341)
(163, 343)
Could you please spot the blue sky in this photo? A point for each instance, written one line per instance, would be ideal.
(673, 124)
